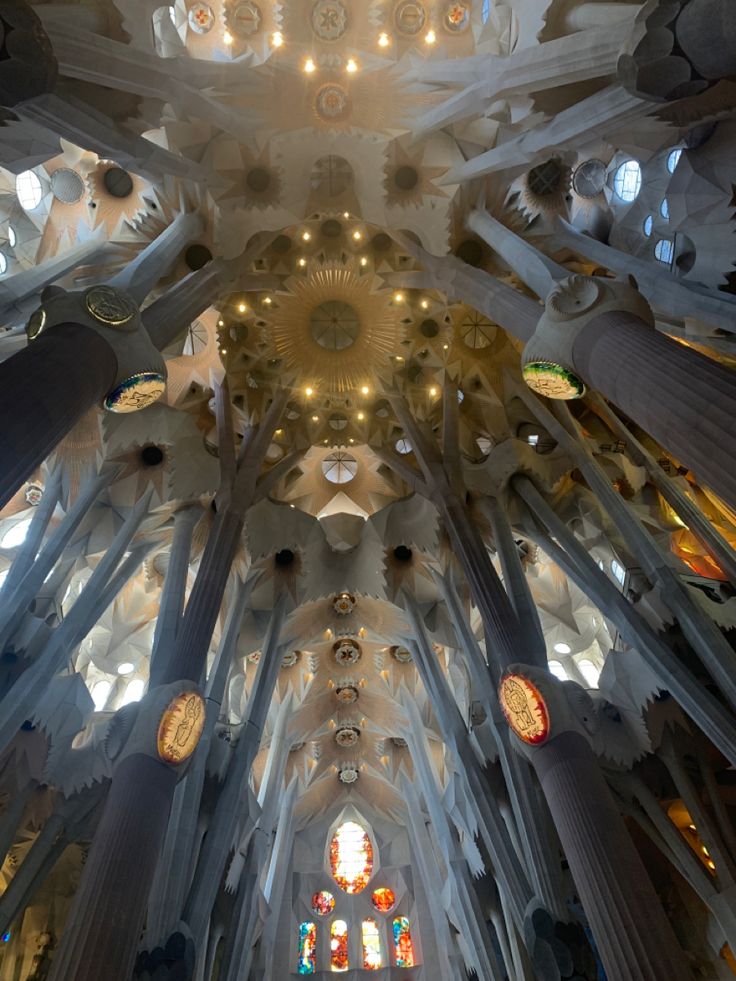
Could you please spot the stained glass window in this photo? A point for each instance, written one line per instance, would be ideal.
(323, 903)
(339, 945)
(351, 857)
(307, 963)
(403, 944)
(383, 899)
(371, 945)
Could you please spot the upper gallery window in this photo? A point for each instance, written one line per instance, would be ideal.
(29, 190)
(627, 181)
(673, 159)
(664, 250)
(351, 857)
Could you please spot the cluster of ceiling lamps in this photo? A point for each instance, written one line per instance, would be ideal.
(384, 41)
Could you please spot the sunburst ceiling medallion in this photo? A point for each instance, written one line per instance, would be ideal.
(335, 328)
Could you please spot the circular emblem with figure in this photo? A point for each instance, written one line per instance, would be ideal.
(332, 103)
(553, 381)
(137, 392)
(246, 19)
(181, 727)
(524, 708)
(409, 17)
(110, 306)
(201, 18)
(457, 17)
(329, 19)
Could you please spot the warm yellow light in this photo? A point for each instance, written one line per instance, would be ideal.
(278, 432)
(306, 236)
(224, 350)
(365, 390)
(433, 391)
(309, 66)
(352, 66)
(424, 304)
(267, 300)
(351, 440)
(315, 418)
(398, 297)
(430, 37)
(277, 39)
(361, 416)
(357, 235)
(242, 308)
(692, 827)
(363, 261)
(346, 214)
(309, 391)
(220, 323)
(399, 357)
(302, 262)
(445, 347)
(383, 40)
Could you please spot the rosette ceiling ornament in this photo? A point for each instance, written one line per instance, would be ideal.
(335, 329)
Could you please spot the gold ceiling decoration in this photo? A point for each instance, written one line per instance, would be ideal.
(293, 335)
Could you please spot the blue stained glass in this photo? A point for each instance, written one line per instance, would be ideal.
(6, 936)
(403, 944)
(307, 963)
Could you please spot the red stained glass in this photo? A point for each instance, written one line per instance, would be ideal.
(403, 944)
(339, 946)
(383, 899)
(351, 857)
(323, 903)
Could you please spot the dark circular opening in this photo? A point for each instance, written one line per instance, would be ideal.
(197, 256)
(118, 182)
(406, 178)
(331, 228)
(27, 726)
(429, 328)
(152, 456)
(284, 557)
(545, 179)
(258, 179)
(470, 251)
(381, 242)
(281, 244)
(402, 553)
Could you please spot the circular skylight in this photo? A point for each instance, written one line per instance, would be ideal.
(627, 181)
(334, 325)
(339, 467)
(589, 178)
(403, 446)
(563, 648)
(29, 190)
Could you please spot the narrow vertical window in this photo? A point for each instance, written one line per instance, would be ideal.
(403, 944)
(486, 11)
(371, 945)
(307, 963)
(339, 946)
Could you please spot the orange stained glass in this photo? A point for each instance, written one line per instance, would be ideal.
(371, 945)
(524, 708)
(383, 899)
(323, 903)
(339, 946)
(307, 963)
(403, 944)
(351, 857)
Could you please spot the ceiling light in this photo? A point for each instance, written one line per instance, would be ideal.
(351, 440)
(433, 391)
(357, 235)
(315, 418)
(227, 38)
(383, 40)
(242, 307)
(445, 347)
(126, 668)
(352, 66)
(361, 416)
(363, 261)
(302, 262)
(424, 304)
(563, 649)
(309, 66)
(309, 391)
(224, 350)
(306, 236)
(365, 390)
(267, 300)
(277, 39)
(278, 432)
(430, 37)
(398, 297)
(346, 214)
(220, 323)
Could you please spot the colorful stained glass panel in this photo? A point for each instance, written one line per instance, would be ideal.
(383, 899)
(351, 857)
(307, 963)
(339, 946)
(323, 903)
(403, 944)
(371, 945)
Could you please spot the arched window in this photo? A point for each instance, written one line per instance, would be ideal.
(351, 857)
(371, 945)
(627, 181)
(339, 946)
(403, 944)
(12, 237)
(100, 694)
(664, 209)
(590, 672)
(618, 571)
(307, 962)
(486, 11)
(403, 446)
(134, 691)
(29, 190)
(557, 668)
(673, 159)
(648, 222)
(664, 250)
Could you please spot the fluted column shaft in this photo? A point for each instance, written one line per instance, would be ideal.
(117, 876)
(686, 401)
(633, 935)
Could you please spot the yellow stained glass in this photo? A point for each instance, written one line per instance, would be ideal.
(371, 945)
(351, 857)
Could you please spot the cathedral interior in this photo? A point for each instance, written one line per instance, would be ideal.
(368, 490)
